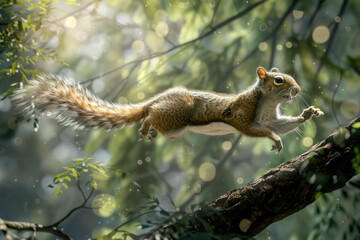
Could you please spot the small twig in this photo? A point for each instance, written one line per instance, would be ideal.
(86, 199)
(126, 80)
(73, 12)
(229, 69)
(318, 7)
(81, 191)
(269, 36)
(113, 232)
(216, 7)
(328, 47)
(34, 227)
(335, 91)
(273, 51)
(158, 54)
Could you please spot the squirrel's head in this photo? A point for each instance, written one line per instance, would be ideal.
(279, 86)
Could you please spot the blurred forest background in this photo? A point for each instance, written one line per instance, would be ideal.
(127, 51)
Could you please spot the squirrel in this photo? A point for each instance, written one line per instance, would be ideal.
(253, 112)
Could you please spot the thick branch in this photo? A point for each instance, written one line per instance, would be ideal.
(281, 191)
(4, 225)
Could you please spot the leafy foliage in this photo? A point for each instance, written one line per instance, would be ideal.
(20, 49)
(128, 51)
(81, 167)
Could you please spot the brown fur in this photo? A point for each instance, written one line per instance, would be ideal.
(253, 112)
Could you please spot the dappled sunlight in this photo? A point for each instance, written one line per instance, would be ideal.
(126, 53)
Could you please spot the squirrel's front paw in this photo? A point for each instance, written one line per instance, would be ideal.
(309, 112)
(277, 146)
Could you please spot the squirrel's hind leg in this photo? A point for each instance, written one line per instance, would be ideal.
(152, 134)
(148, 130)
(145, 128)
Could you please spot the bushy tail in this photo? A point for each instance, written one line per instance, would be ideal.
(73, 105)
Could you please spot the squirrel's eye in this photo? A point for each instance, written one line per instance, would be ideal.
(278, 80)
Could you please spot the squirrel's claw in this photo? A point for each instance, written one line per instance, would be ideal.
(141, 136)
(152, 134)
(319, 113)
(277, 146)
(309, 112)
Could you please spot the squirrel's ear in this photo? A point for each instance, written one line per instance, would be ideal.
(261, 72)
(274, 69)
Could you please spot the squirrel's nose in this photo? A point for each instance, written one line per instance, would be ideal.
(296, 89)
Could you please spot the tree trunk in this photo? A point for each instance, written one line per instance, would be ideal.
(281, 191)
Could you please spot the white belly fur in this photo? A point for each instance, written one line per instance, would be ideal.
(215, 128)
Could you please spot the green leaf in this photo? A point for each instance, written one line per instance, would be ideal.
(58, 191)
(165, 213)
(136, 184)
(67, 178)
(75, 174)
(94, 184)
(97, 169)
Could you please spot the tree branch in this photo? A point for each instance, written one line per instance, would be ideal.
(74, 12)
(83, 205)
(206, 34)
(272, 34)
(4, 225)
(329, 44)
(281, 191)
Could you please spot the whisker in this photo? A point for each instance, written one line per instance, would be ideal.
(279, 92)
(299, 132)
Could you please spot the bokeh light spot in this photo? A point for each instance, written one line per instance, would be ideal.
(226, 145)
(207, 171)
(279, 47)
(140, 95)
(104, 205)
(298, 14)
(263, 46)
(245, 225)
(307, 141)
(138, 46)
(154, 40)
(263, 27)
(321, 34)
(160, 15)
(162, 28)
(350, 109)
(240, 180)
(337, 19)
(18, 141)
(70, 22)
(340, 135)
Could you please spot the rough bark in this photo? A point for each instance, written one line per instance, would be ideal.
(281, 191)
(5, 225)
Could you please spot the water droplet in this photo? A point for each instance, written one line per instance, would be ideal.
(263, 27)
